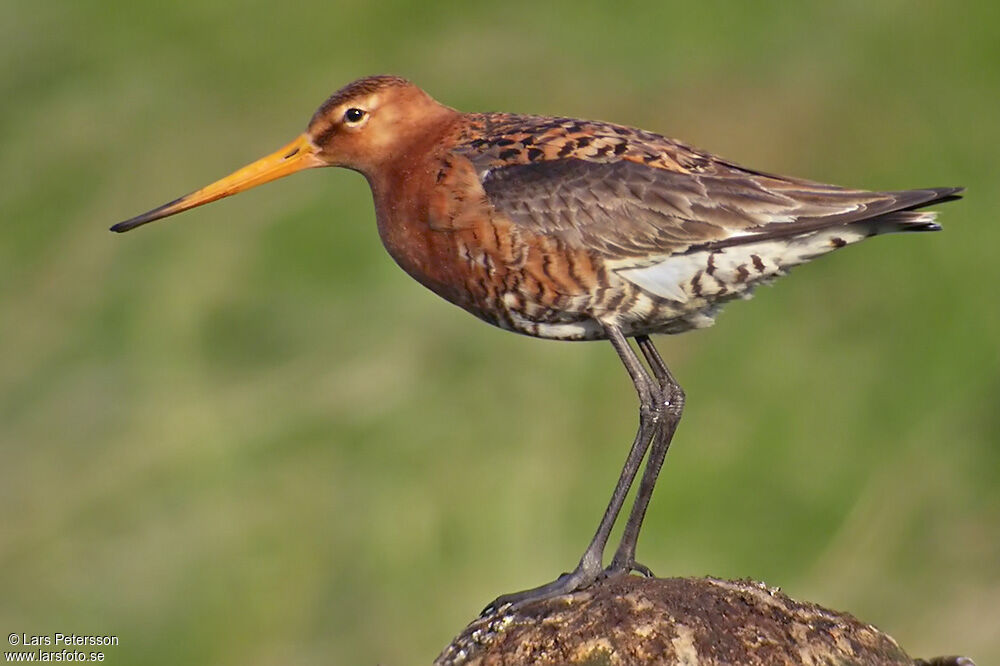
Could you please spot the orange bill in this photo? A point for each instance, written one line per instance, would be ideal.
(298, 155)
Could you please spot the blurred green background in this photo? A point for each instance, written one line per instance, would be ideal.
(243, 436)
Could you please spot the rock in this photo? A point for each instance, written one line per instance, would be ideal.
(626, 620)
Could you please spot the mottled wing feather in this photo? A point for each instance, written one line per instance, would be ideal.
(624, 192)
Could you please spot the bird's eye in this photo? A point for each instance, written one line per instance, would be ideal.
(353, 115)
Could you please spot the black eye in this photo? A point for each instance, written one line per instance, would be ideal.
(353, 115)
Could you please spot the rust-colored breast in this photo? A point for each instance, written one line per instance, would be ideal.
(438, 224)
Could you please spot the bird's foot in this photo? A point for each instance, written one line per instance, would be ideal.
(578, 579)
(625, 566)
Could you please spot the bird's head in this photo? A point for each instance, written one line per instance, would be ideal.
(361, 126)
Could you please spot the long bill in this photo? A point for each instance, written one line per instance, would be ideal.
(298, 155)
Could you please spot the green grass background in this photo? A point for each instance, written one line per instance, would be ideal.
(243, 436)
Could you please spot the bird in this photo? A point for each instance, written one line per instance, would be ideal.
(569, 229)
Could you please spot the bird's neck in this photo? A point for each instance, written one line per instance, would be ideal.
(403, 191)
(406, 171)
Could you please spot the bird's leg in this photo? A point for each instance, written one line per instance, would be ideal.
(648, 422)
(670, 405)
(660, 370)
(589, 568)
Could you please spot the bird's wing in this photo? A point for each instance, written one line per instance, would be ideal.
(626, 192)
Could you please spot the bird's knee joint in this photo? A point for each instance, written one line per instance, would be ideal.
(672, 400)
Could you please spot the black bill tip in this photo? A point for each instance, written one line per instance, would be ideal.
(147, 217)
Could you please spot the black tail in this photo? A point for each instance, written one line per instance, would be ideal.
(909, 217)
